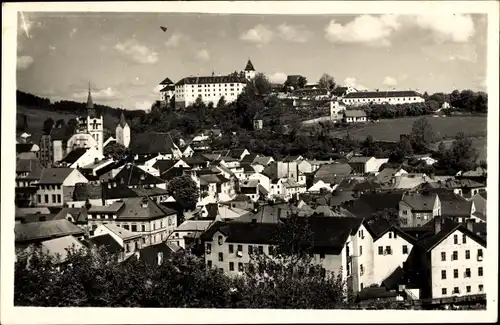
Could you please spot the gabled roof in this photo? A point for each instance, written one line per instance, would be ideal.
(382, 94)
(106, 240)
(249, 66)
(150, 254)
(24, 147)
(45, 230)
(102, 209)
(134, 209)
(380, 227)
(58, 247)
(123, 233)
(152, 143)
(332, 173)
(31, 166)
(166, 81)
(420, 202)
(358, 159)
(117, 191)
(132, 175)
(354, 112)
(163, 165)
(369, 203)
(55, 175)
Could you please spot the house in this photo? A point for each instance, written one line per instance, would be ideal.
(96, 168)
(416, 209)
(59, 248)
(187, 233)
(28, 148)
(155, 145)
(56, 186)
(320, 186)
(343, 91)
(80, 157)
(214, 187)
(240, 201)
(354, 116)
(129, 242)
(28, 173)
(408, 181)
(133, 176)
(252, 189)
(36, 232)
(369, 203)
(156, 255)
(109, 243)
(332, 173)
(455, 207)
(77, 216)
(382, 97)
(153, 222)
(364, 165)
(257, 122)
(450, 261)
(480, 203)
(388, 174)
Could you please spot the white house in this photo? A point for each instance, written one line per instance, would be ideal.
(123, 132)
(55, 183)
(354, 116)
(382, 97)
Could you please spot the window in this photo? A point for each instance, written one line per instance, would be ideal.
(161, 224)
(388, 250)
(361, 269)
(231, 249)
(480, 271)
(390, 235)
(54, 198)
(443, 291)
(395, 235)
(250, 249)
(468, 288)
(467, 254)
(380, 250)
(454, 257)
(154, 225)
(231, 266)
(261, 250)
(209, 248)
(58, 198)
(480, 288)
(443, 256)
(455, 239)
(39, 198)
(443, 274)
(467, 273)
(220, 240)
(271, 250)
(321, 255)
(221, 257)
(126, 227)
(360, 250)
(144, 240)
(209, 264)
(480, 253)
(143, 228)
(240, 267)
(455, 273)
(361, 286)
(127, 248)
(456, 290)
(134, 228)
(405, 249)
(240, 248)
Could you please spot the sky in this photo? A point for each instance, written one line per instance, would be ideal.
(125, 56)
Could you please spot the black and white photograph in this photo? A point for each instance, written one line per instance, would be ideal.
(268, 156)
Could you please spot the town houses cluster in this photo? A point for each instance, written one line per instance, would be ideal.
(68, 193)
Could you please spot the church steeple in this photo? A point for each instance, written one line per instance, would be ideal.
(90, 104)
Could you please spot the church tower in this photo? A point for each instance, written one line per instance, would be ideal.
(249, 70)
(123, 132)
(95, 123)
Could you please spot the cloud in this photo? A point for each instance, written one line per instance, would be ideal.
(452, 52)
(368, 29)
(298, 34)
(105, 94)
(73, 32)
(136, 52)
(390, 81)
(143, 105)
(24, 62)
(176, 39)
(457, 28)
(278, 77)
(353, 82)
(203, 55)
(259, 35)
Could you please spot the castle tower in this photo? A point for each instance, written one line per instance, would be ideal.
(95, 123)
(123, 132)
(249, 70)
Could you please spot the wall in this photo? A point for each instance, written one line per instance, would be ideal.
(380, 100)
(386, 264)
(87, 158)
(50, 196)
(81, 140)
(74, 177)
(209, 92)
(437, 265)
(58, 151)
(263, 180)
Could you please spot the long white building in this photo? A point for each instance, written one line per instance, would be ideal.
(208, 88)
(382, 97)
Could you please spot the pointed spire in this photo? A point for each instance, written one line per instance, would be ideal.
(123, 122)
(90, 104)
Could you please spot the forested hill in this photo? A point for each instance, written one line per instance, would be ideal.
(32, 101)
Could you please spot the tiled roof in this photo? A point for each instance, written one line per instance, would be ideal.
(456, 208)
(332, 173)
(123, 233)
(357, 159)
(78, 214)
(87, 191)
(339, 91)
(134, 209)
(132, 175)
(74, 155)
(194, 225)
(382, 94)
(32, 166)
(420, 202)
(59, 247)
(369, 203)
(166, 81)
(163, 165)
(209, 80)
(354, 113)
(55, 175)
(114, 207)
(117, 191)
(46, 229)
(150, 191)
(152, 143)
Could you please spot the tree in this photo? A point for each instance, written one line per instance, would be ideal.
(22, 122)
(48, 124)
(184, 190)
(261, 84)
(221, 103)
(327, 82)
(422, 133)
(60, 123)
(301, 82)
(390, 215)
(115, 150)
(402, 150)
(462, 155)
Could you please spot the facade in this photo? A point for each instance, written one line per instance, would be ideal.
(53, 185)
(168, 90)
(354, 116)
(363, 165)
(129, 242)
(211, 88)
(123, 132)
(418, 209)
(382, 97)
(336, 111)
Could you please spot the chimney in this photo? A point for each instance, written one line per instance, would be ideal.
(470, 224)
(438, 223)
(144, 203)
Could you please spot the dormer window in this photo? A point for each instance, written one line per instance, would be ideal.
(220, 240)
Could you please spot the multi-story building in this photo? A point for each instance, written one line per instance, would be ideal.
(56, 186)
(417, 209)
(357, 98)
(212, 88)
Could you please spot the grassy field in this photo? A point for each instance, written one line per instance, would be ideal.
(444, 127)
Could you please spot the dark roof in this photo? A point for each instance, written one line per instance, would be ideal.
(376, 292)
(55, 175)
(87, 191)
(151, 143)
(45, 230)
(249, 66)
(163, 165)
(380, 227)
(249, 158)
(134, 209)
(122, 122)
(396, 278)
(74, 155)
(380, 94)
(168, 88)
(448, 226)
(456, 208)
(339, 91)
(63, 133)
(166, 81)
(368, 203)
(195, 160)
(330, 234)
(117, 191)
(209, 80)
(24, 147)
(150, 254)
(107, 241)
(354, 113)
(420, 202)
(133, 175)
(366, 186)
(32, 166)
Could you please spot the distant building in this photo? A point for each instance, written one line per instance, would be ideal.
(354, 116)
(343, 91)
(123, 132)
(382, 97)
(257, 122)
(168, 90)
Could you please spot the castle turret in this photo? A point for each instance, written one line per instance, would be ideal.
(249, 70)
